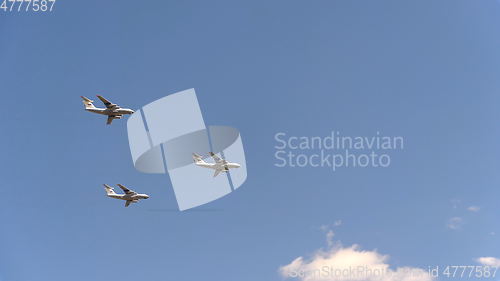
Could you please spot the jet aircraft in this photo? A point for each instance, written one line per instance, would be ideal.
(220, 165)
(130, 196)
(113, 111)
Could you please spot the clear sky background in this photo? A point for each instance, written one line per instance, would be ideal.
(425, 70)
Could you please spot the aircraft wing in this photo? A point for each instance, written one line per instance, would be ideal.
(126, 190)
(110, 119)
(86, 99)
(215, 157)
(217, 172)
(107, 103)
(130, 201)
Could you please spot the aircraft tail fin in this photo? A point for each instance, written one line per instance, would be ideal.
(197, 158)
(87, 102)
(109, 190)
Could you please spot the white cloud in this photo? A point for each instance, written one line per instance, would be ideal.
(455, 202)
(339, 263)
(329, 238)
(473, 209)
(327, 227)
(455, 223)
(488, 261)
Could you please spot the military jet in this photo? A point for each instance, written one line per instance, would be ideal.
(113, 111)
(130, 196)
(220, 165)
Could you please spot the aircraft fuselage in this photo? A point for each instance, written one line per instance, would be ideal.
(219, 166)
(106, 111)
(129, 197)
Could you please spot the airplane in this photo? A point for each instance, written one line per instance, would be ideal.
(220, 165)
(130, 196)
(113, 111)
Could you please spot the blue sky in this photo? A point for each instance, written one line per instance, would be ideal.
(425, 70)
